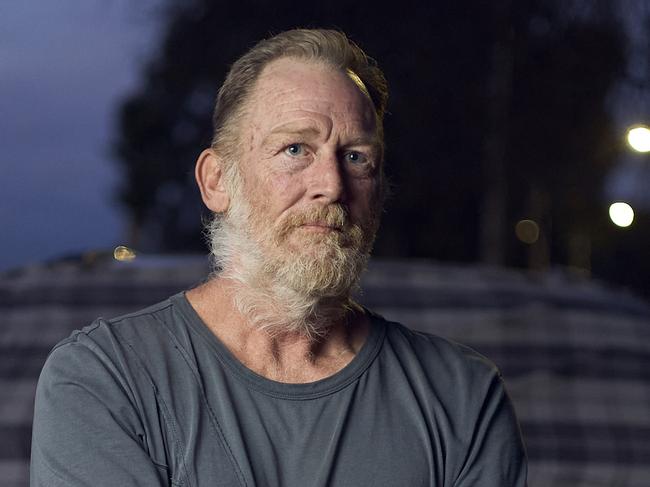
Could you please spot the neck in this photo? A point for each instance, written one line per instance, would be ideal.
(280, 310)
(283, 351)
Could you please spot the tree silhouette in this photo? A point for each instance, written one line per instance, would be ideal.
(553, 136)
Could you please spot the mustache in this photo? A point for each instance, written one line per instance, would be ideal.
(335, 216)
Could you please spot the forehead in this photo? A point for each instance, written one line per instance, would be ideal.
(293, 87)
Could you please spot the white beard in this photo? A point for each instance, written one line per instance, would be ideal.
(282, 288)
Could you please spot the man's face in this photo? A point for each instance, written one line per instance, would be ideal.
(310, 172)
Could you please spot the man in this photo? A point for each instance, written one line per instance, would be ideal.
(269, 374)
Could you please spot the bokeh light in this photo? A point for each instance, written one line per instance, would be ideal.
(639, 138)
(123, 253)
(527, 231)
(621, 214)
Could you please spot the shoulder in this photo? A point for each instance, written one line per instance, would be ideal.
(435, 353)
(465, 394)
(95, 367)
(105, 334)
(435, 367)
(96, 384)
(108, 363)
(115, 347)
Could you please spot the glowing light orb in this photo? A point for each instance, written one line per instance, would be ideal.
(639, 138)
(621, 214)
(527, 231)
(123, 254)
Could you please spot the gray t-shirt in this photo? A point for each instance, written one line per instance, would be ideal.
(154, 398)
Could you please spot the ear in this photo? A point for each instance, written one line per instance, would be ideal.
(210, 178)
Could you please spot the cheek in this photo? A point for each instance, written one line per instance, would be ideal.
(278, 192)
(365, 198)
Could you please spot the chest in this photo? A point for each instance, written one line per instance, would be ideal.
(234, 436)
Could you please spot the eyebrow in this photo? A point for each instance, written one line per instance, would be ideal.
(306, 132)
(371, 140)
(292, 130)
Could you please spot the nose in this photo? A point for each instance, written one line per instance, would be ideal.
(327, 180)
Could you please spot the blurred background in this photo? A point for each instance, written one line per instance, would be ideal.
(506, 132)
(517, 150)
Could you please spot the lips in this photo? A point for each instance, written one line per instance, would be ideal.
(321, 225)
(318, 229)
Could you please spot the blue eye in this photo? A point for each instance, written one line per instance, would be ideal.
(355, 157)
(294, 150)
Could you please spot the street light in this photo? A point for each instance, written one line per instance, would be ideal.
(639, 138)
(621, 214)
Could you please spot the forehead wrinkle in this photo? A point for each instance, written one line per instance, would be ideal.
(302, 125)
(351, 111)
(303, 128)
(265, 93)
(290, 136)
(369, 139)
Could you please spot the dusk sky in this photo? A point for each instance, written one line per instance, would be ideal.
(63, 67)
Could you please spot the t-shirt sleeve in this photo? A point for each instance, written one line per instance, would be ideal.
(496, 456)
(86, 430)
